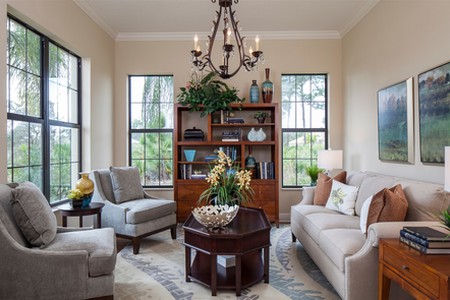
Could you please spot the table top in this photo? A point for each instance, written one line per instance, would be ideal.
(93, 206)
(247, 222)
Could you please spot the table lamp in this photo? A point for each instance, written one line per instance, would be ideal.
(329, 160)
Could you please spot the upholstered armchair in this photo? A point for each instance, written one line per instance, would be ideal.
(40, 260)
(128, 209)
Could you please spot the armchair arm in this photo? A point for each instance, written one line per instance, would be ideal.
(307, 195)
(148, 196)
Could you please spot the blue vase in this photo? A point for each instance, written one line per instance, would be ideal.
(267, 88)
(254, 92)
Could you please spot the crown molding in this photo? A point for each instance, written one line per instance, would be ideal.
(84, 5)
(188, 36)
(367, 6)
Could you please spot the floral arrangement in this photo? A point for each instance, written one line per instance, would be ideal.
(208, 94)
(228, 184)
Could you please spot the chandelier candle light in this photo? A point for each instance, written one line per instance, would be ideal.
(230, 29)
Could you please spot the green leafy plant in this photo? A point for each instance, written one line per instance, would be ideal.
(260, 114)
(208, 94)
(228, 184)
(444, 217)
(313, 172)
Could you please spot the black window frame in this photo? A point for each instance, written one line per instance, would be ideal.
(312, 159)
(44, 119)
(132, 130)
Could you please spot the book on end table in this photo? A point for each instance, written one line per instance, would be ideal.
(423, 249)
(427, 233)
(423, 242)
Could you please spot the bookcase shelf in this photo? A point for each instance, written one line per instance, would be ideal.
(187, 191)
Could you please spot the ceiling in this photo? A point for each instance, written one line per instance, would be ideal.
(181, 19)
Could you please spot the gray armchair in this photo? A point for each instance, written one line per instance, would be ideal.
(128, 209)
(46, 261)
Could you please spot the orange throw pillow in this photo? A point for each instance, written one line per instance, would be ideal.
(388, 205)
(323, 188)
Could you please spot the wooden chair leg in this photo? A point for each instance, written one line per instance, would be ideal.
(136, 244)
(173, 232)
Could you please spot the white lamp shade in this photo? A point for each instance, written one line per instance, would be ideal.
(447, 169)
(329, 159)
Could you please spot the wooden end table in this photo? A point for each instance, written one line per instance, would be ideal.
(424, 276)
(246, 237)
(94, 208)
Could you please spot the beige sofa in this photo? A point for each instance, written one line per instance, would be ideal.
(347, 257)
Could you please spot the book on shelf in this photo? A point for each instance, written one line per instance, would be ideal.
(226, 260)
(423, 242)
(211, 158)
(427, 233)
(230, 151)
(185, 171)
(265, 170)
(231, 136)
(423, 249)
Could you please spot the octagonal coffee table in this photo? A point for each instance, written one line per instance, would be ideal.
(247, 238)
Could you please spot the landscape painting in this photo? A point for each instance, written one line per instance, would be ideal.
(395, 123)
(434, 113)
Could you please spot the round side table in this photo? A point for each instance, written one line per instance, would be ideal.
(67, 210)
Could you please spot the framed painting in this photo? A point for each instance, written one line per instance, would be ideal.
(434, 113)
(396, 123)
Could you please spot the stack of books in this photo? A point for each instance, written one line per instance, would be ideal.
(231, 136)
(425, 239)
(265, 170)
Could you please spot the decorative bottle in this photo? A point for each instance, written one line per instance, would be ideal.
(252, 135)
(267, 88)
(254, 92)
(250, 162)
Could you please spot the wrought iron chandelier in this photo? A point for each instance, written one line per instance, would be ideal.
(230, 32)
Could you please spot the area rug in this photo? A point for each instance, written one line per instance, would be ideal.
(158, 272)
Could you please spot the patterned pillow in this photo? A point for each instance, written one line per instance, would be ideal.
(342, 198)
(126, 184)
(33, 214)
(323, 187)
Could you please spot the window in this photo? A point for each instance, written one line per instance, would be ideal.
(304, 125)
(43, 105)
(151, 128)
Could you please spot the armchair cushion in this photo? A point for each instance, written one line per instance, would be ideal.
(143, 210)
(33, 214)
(126, 184)
(100, 245)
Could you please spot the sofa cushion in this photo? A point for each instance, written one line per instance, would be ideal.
(370, 186)
(315, 224)
(425, 200)
(99, 245)
(126, 183)
(338, 244)
(364, 214)
(342, 198)
(323, 188)
(143, 210)
(33, 214)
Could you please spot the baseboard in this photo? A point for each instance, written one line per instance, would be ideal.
(285, 217)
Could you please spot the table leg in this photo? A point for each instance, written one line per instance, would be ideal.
(266, 264)
(238, 275)
(64, 221)
(213, 275)
(99, 220)
(384, 284)
(81, 221)
(187, 253)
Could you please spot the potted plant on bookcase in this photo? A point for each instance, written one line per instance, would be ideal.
(208, 95)
(229, 188)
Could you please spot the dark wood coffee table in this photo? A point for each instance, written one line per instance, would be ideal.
(246, 237)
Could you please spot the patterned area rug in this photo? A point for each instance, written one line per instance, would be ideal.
(157, 272)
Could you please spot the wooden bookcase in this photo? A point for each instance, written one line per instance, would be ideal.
(187, 191)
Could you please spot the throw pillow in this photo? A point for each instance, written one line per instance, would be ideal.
(33, 214)
(126, 184)
(388, 205)
(323, 188)
(342, 198)
(365, 214)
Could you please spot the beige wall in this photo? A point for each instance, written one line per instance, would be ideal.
(396, 40)
(67, 24)
(282, 56)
